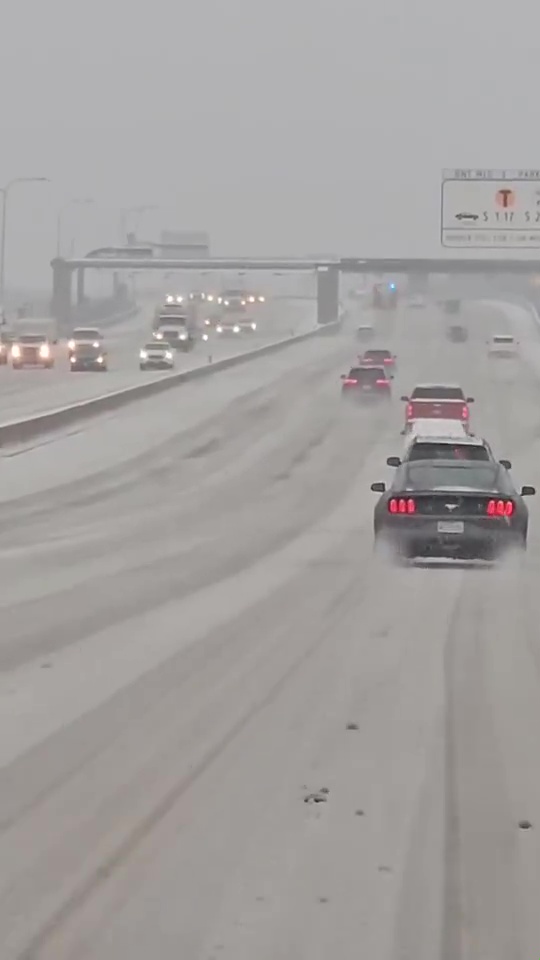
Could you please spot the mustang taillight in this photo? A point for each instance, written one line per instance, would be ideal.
(381, 383)
(500, 508)
(465, 412)
(402, 505)
(409, 411)
(349, 381)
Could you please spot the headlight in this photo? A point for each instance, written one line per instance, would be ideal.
(219, 329)
(236, 329)
(168, 355)
(16, 351)
(210, 297)
(100, 359)
(183, 336)
(71, 344)
(73, 359)
(243, 303)
(251, 299)
(143, 355)
(96, 344)
(253, 326)
(207, 323)
(158, 336)
(170, 299)
(226, 303)
(44, 350)
(205, 336)
(260, 299)
(179, 299)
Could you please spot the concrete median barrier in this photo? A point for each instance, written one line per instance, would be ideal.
(20, 431)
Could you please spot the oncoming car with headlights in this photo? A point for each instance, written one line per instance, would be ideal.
(88, 356)
(85, 335)
(235, 327)
(157, 355)
(32, 350)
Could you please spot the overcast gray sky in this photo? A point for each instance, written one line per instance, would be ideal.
(291, 126)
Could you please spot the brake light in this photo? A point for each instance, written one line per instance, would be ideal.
(409, 411)
(401, 505)
(381, 383)
(348, 381)
(465, 413)
(388, 360)
(500, 508)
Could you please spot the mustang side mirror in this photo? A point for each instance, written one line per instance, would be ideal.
(528, 491)
(393, 461)
(506, 464)
(343, 376)
(381, 487)
(470, 399)
(405, 399)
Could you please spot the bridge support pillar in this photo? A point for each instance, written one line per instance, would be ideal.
(61, 296)
(80, 285)
(327, 294)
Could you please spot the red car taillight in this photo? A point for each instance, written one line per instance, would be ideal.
(500, 508)
(348, 382)
(409, 411)
(382, 383)
(401, 505)
(465, 413)
(388, 360)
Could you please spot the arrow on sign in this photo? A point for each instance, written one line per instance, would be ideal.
(466, 216)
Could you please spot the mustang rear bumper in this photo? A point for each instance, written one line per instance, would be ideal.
(480, 540)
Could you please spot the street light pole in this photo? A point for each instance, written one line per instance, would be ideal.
(77, 201)
(4, 192)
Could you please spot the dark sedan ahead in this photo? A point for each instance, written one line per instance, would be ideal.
(366, 384)
(460, 510)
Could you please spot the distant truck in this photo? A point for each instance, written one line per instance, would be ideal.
(178, 328)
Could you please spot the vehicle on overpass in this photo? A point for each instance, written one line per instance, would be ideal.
(366, 384)
(451, 509)
(32, 350)
(87, 357)
(435, 401)
(156, 355)
(503, 346)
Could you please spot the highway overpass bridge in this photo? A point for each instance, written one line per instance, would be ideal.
(327, 271)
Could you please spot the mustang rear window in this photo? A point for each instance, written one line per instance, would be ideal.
(439, 477)
(448, 451)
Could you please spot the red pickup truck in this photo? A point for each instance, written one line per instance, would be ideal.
(431, 401)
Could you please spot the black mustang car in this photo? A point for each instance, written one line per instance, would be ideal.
(446, 508)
